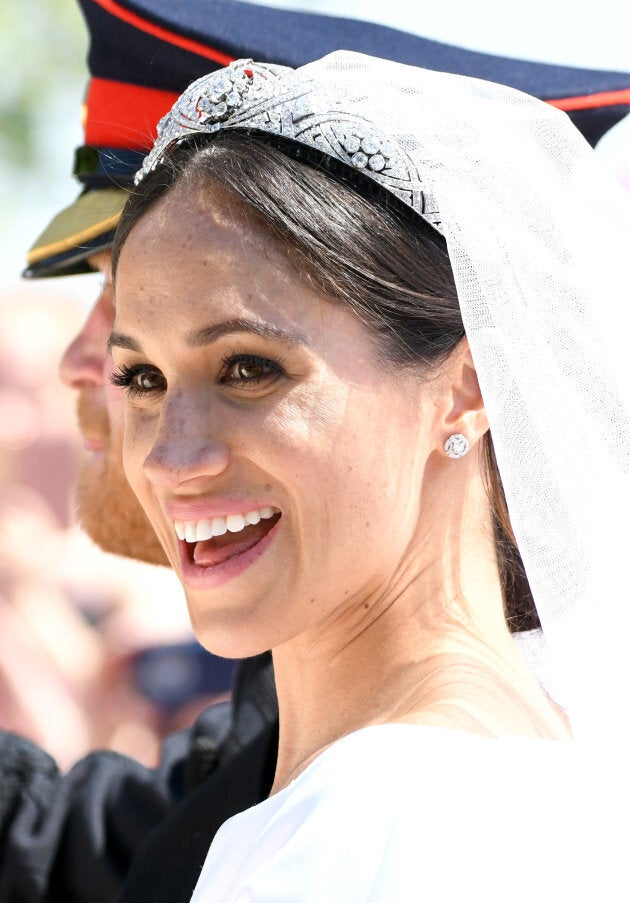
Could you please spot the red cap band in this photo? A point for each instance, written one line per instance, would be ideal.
(593, 101)
(123, 115)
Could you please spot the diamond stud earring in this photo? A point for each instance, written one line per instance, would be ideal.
(456, 445)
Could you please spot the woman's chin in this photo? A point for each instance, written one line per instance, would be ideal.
(229, 646)
(235, 632)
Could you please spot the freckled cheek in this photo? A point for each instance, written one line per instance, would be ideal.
(368, 458)
(316, 451)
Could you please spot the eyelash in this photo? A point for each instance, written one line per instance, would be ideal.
(124, 377)
(271, 369)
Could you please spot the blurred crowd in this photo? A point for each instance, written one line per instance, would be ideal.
(94, 650)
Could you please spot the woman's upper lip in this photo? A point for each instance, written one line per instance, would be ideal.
(205, 508)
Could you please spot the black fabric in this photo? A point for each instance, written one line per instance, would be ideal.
(73, 838)
(169, 862)
(594, 123)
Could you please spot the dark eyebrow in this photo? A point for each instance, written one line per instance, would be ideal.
(196, 338)
(208, 334)
(123, 341)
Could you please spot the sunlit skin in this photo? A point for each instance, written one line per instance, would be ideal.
(107, 508)
(377, 588)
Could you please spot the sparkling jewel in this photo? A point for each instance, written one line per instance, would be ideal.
(359, 160)
(301, 108)
(376, 163)
(456, 445)
(352, 144)
(370, 145)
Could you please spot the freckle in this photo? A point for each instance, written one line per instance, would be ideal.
(312, 600)
(366, 605)
(367, 523)
(346, 591)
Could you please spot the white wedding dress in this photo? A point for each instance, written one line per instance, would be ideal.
(402, 812)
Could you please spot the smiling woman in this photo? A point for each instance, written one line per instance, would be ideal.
(320, 309)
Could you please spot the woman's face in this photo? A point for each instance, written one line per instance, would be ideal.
(262, 428)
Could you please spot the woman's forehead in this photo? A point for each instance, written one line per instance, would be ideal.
(201, 224)
(193, 264)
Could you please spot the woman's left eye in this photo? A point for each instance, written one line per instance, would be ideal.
(248, 369)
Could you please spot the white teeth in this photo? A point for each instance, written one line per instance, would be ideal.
(204, 530)
(198, 531)
(235, 523)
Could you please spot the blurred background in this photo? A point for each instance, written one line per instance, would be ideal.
(95, 650)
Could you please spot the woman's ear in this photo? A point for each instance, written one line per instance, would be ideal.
(460, 407)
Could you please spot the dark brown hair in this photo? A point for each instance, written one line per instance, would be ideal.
(362, 247)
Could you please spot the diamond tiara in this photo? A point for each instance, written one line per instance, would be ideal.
(269, 98)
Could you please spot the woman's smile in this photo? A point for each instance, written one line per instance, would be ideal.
(214, 546)
(211, 561)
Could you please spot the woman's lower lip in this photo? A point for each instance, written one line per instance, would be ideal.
(197, 577)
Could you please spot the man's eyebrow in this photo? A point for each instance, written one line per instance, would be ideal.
(208, 334)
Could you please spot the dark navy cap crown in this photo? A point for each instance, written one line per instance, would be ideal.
(144, 53)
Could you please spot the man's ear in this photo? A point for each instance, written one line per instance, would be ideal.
(460, 407)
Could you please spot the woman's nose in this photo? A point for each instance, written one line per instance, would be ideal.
(184, 451)
(83, 360)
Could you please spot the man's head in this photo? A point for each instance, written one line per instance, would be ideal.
(107, 508)
(137, 70)
(143, 53)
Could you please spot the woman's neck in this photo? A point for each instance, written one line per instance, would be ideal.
(473, 680)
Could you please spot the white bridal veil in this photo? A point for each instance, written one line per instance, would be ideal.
(538, 234)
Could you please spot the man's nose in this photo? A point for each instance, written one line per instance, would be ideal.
(83, 360)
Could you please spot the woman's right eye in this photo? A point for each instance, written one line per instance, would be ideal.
(138, 380)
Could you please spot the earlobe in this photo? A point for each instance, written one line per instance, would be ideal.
(464, 420)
